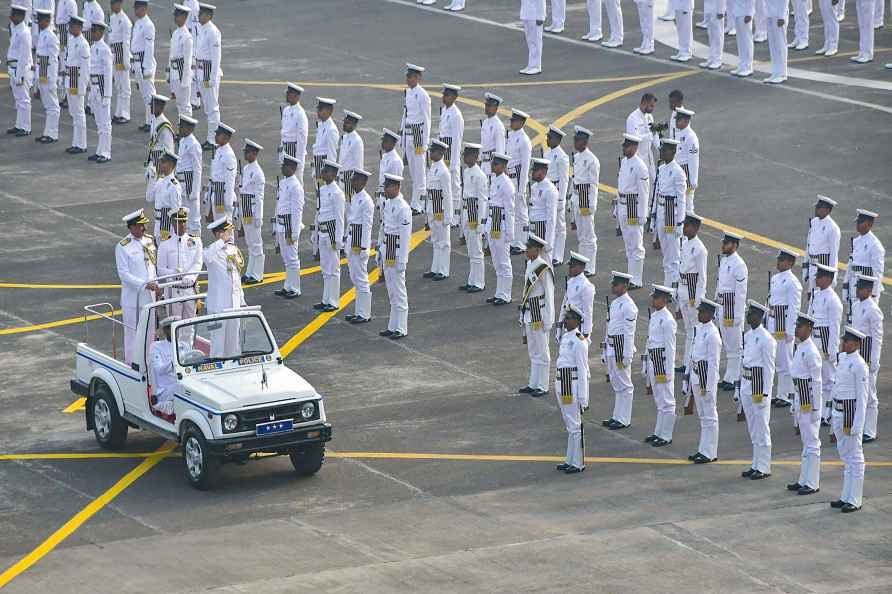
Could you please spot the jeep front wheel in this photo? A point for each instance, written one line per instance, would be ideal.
(201, 468)
(108, 426)
(307, 461)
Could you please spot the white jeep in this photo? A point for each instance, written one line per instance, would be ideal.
(233, 396)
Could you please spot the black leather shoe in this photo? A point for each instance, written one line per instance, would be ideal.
(701, 459)
(538, 393)
(748, 473)
(525, 390)
(439, 277)
(794, 487)
(92, 157)
(500, 301)
(396, 335)
(849, 508)
(660, 442)
(428, 274)
(350, 317)
(280, 292)
(251, 281)
(606, 422)
(464, 287)
(319, 306)
(385, 333)
(473, 289)
(77, 150)
(837, 504)
(650, 438)
(806, 491)
(359, 320)
(615, 425)
(13, 130)
(867, 439)
(21, 133)
(491, 299)
(291, 295)
(562, 466)
(758, 475)
(100, 159)
(693, 457)
(577, 470)
(328, 308)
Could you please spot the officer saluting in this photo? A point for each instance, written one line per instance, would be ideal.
(659, 361)
(571, 388)
(806, 375)
(360, 216)
(822, 243)
(849, 407)
(224, 264)
(756, 379)
(619, 349)
(868, 319)
(135, 258)
(703, 379)
(475, 205)
(580, 292)
(537, 315)
(826, 308)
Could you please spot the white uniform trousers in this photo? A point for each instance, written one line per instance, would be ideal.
(715, 28)
(455, 173)
(828, 378)
(476, 274)
(588, 241)
(211, 96)
(873, 404)
(534, 43)
(760, 21)
(621, 381)
(121, 87)
(594, 18)
(809, 433)
(664, 399)
(521, 222)
(192, 201)
(79, 120)
(399, 299)
(840, 10)
(633, 238)
(709, 423)
(783, 359)
(744, 44)
(418, 175)
(573, 424)
(358, 267)
(560, 232)
(558, 13)
(758, 418)
(501, 261)
(852, 456)
(330, 263)
(22, 95)
(831, 25)
(646, 22)
(879, 13)
(183, 309)
(689, 319)
(442, 244)
(540, 356)
(130, 317)
(146, 88)
(614, 20)
(225, 341)
(777, 47)
(102, 115)
(256, 257)
(865, 29)
(732, 345)
(183, 95)
(49, 95)
(195, 94)
(685, 30)
(291, 260)
(689, 200)
(670, 245)
(800, 22)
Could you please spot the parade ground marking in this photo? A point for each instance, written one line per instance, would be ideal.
(69, 527)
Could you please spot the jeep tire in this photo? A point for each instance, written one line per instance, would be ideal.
(109, 427)
(308, 460)
(200, 466)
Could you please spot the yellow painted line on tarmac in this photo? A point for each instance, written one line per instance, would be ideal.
(346, 299)
(85, 514)
(839, 55)
(56, 324)
(79, 456)
(75, 406)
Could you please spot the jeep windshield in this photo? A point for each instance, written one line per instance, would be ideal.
(205, 343)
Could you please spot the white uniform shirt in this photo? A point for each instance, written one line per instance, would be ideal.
(501, 196)
(352, 152)
(161, 357)
(784, 301)
(661, 332)
(295, 128)
(671, 181)
(638, 124)
(806, 372)
(192, 20)
(692, 272)
(290, 208)
(475, 199)
(135, 260)
(251, 190)
(18, 56)
(543, 207)
(707, 347)
(581, 294)
(65, 9)
(520, 149)
(740, 8)
(391, 163)
(777, 9)
(573, 353)
(439, 181)
(208, 48)
(621, 330)
(868, 318)
(142, 46)
(120, 29)
(190, 160)
(360, 217)
(92, 13)
(161, 135)
(101, 69)
(396, 219)
(559, 171)
(180, 59)
(492, 139)
(868, 257)
(223, 262)
(181, 254)
(537, 308)
(327, 137)
(77, 56)
(586, 172)
(851, 384)
(224, 167)
(331, 210)
(826, 308)
(633, 179)
(418, 111)
(48, 45)
(166, 193)
(759, 349)
(823, 238)
(688, 155)
(532, 10)
(731, 287)
(452, 132)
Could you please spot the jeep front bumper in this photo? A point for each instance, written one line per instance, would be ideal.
(282, 443)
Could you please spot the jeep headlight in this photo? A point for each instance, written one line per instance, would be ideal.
(230, 423)
(307, 410)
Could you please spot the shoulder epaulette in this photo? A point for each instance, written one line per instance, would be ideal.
(125, 241)
(580, 335)
(541, 268)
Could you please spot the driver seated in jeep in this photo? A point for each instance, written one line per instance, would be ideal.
(161, 357)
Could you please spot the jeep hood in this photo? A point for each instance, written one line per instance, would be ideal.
(240, 388)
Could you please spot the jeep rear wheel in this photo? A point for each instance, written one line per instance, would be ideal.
(108, 426)
(201, 468)
(307, 461)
